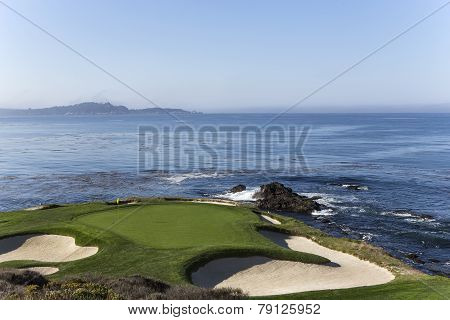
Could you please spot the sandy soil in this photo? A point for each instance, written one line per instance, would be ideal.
(34, 208)
(259, 276)
(222, 203)
(269, 219)
(46, 248)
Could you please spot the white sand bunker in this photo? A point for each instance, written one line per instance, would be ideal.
(46, 248)
(259, 276)
(269, 219)
(45, 271)
(35, 208)
(218, 202)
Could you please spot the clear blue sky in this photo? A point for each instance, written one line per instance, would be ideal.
(225, 55)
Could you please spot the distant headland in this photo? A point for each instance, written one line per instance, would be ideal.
(90, 108)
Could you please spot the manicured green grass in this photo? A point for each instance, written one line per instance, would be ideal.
(179, 225)
(166, 240)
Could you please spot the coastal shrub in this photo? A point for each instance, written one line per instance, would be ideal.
(17, 277)
(93, 287)
(196, 293)
(10, 291)
(31, 292)
(136, 287)
(77, 289)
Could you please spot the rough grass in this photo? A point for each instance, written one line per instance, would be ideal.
(402, 288)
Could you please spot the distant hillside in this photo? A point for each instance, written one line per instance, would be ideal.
(88, 108)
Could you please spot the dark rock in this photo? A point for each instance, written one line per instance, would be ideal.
(413, 214)
(119, 201)
(427, 216)
(415, 258)
(355, 187)
(275, 196)
(238, 188)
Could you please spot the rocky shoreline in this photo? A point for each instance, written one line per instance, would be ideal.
(277, 197)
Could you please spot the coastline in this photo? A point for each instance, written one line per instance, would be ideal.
(371, 194)
(288, 226)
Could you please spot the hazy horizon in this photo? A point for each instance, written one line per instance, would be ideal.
(227, 56)
(418, 108)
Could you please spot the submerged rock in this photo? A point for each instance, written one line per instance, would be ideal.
(355, 187)
(415, 258)
(275, 196)
(325, 220)
(238, 188)
(414, 214)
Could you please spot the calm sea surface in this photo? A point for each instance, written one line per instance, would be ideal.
(403, 160)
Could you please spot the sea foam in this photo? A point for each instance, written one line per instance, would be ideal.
(246, 195)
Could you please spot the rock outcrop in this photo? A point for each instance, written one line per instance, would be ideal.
(275, 196)
(238, 188)
(355, 187)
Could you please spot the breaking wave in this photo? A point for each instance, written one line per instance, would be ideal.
(246, 195)
(328, 200)
(410, 216)
(178, 178)
(324, 212)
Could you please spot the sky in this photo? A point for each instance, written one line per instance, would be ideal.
(227, 55)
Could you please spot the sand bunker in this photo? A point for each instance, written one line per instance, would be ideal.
(259, 276)
(45, 271)
(42, 207)
(46, 248)
(269, 219)
(35, 208)
(219, 202)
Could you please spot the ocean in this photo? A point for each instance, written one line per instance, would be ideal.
(382, 178)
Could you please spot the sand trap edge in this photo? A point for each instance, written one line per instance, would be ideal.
(43, 248)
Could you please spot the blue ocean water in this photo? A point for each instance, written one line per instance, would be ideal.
(403, 160)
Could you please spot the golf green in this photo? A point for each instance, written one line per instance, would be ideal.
(183, 225)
